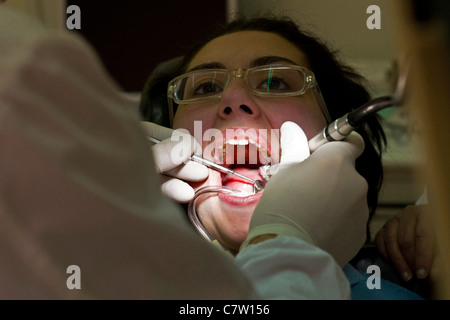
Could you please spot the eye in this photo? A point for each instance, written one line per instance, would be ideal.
(274, 84)
(207, 88)
(273, 81)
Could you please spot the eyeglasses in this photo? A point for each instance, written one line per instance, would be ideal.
(266, 81)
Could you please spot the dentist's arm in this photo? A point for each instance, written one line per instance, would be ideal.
(78, 186)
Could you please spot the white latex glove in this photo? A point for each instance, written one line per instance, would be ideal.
(294, 145)
(321, 200)
(172, 159)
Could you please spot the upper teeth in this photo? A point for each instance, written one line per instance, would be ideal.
(241, 142)
(245, 142)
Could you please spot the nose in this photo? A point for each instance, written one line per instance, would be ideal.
(238, 101)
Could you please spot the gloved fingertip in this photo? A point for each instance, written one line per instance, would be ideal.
(290, 126)
(185, 197)
(178, 190)
(202, 172)
(192, 171)
(293, 143)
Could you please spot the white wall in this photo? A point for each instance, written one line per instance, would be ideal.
(342, 24)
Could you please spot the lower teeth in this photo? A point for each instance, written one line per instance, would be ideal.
(242, 194)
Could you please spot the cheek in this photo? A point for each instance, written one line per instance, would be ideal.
(307, 115)
(195, 119)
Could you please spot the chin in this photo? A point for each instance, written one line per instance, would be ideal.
(232, 238)
(227, 223)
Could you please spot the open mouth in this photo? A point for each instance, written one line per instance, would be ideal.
(244, 155)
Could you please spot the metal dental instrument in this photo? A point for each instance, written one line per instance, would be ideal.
(258, 185)
(343, 126)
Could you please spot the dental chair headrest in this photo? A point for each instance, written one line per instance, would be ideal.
(154, 106)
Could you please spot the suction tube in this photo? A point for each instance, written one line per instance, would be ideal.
(192, 208)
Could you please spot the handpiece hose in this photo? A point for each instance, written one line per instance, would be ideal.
(343, 126)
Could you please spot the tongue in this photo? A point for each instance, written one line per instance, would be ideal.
(238, 183)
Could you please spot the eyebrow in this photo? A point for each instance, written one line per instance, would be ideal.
(210, 65)
(261, 61)
(269, 60)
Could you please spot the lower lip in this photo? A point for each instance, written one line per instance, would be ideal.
(240, 201)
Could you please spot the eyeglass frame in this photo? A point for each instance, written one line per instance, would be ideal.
(309, 78)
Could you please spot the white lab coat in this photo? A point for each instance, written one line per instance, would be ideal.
(78, 188)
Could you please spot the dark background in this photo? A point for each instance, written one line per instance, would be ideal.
(133, 36)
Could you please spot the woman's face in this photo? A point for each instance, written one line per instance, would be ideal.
(245, 126)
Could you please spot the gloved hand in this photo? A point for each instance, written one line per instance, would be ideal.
(321, 199)
(172, 159)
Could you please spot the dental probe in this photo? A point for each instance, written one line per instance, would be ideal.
(258, 185)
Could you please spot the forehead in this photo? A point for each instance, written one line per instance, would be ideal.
(239, 49)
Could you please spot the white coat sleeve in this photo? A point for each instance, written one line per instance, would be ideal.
(289, 268)
(81, 212)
